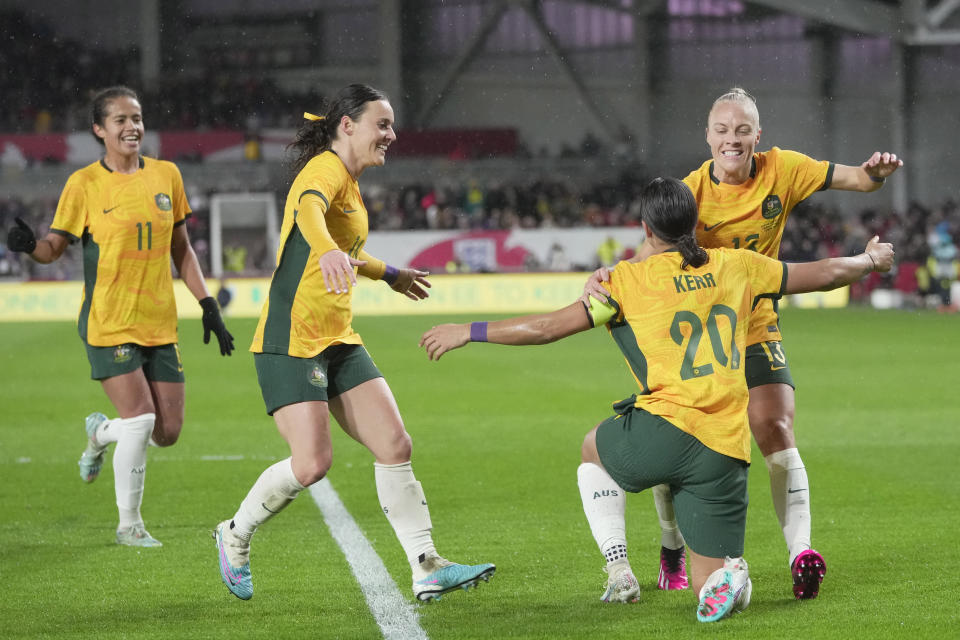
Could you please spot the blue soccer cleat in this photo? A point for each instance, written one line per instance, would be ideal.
(91, 460)
(726, 591)
(234, 561)
(136, 536)
(448, 576)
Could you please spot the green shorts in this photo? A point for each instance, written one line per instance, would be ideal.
(640, 450)
(287, 380)
(159, 364)
(767, 364)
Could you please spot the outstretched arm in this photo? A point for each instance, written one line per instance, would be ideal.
(831, 273)
(869, 176)
(409, 282)
(541, 328)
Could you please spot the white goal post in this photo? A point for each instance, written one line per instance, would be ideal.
(252, 214)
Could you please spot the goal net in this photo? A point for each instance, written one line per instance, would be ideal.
(244, 232)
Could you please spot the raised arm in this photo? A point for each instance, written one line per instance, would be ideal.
(831, 273)
(541, 328)
(869, 176)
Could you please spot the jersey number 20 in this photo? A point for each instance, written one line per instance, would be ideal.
(689, 369)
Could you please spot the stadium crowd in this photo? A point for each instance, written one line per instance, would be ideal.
(73, 70)
(925, 237)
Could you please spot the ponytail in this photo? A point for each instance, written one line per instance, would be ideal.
(693, 254)
(668, 207)
(313, 138)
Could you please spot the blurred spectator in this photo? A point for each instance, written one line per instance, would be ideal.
(609, 252)
(942, 269)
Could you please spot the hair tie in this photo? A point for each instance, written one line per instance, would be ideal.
(310, 116)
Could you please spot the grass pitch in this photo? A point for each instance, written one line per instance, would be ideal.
(496, 432)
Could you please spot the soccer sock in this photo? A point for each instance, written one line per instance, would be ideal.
(791, 498)
(670, 536)
(403, 502)
(604, 504)
(129, 465)
(107, 432)
(274, 489)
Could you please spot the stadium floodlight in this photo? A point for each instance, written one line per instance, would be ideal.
(247, 222)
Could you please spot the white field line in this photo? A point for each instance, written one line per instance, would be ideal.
(397, 618)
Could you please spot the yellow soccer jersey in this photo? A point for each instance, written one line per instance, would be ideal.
(324, 211)
(752, 215)
(125, 223)
(683, 333)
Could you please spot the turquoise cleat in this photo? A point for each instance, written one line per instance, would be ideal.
(137, 536)
(238, 580)
(91, 460)
(726, 591)
(450, 576)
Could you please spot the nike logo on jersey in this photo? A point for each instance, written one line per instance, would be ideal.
(349, 210)
(777, 368)
(795, 490)
(110, 209)
(708, 227)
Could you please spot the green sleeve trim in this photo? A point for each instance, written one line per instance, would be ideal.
(773, 296)
(66, 234)
(314, 192)
(184, 221)
(827, 181)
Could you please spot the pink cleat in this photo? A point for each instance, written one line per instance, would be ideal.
(673, 569)
(808, 571)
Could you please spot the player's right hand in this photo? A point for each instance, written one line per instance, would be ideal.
(337, 270)
(21, 238)
(594, 286)
(881, 253)
(445, 337)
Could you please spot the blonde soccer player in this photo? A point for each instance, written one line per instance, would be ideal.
(745, 197)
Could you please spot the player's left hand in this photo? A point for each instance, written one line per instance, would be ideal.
(445, 337)
(594, 286)
(411, 283)
(213, 322)
(881, 165)
(21, 237)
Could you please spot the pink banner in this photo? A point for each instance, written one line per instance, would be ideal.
(228, 146)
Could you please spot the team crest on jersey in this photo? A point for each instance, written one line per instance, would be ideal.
(317, 377)
(771, 207)
(164, 203)
(123, 353)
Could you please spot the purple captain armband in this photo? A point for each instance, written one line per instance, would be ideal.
(390, 275)
(478, 332)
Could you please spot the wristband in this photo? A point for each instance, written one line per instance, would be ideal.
(873, 261)
(876, 179)
(478, 332)
(390, 275)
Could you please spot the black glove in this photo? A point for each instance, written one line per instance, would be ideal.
(21, 237)
(213, 321)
